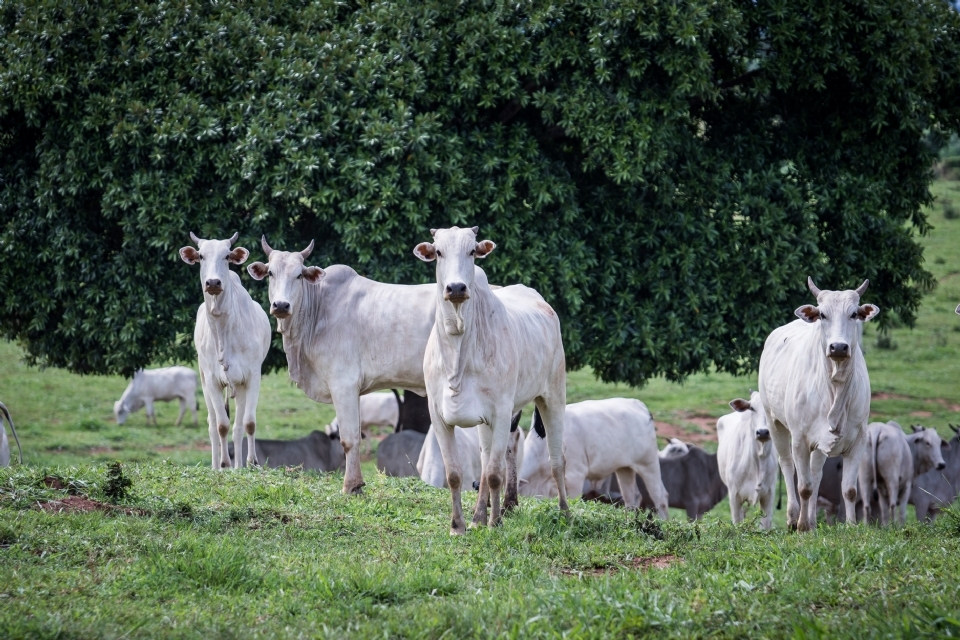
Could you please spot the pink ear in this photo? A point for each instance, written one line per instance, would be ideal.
(425, 251)
(312, 274)
(258, 270)
(808, 313)
(189, 255)
(740, 404)
(238, 255)
(485, 248)
(867, 311)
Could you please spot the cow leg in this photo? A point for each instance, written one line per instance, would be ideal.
(194, 398)
(451, 462)
(626, 478)
(902, 501)
(510, 499)
(653, 481)
(252, 393)
(766, 505)
(848, 480)
(736, 509)
(347, 405)
(494, 470)
(219, 423)
(183, 410)
(480, 514)
(241, 402)
(551, 412)
(782, 442)
(866, 481)
(806, 487)
(148, 409)
(214, 436)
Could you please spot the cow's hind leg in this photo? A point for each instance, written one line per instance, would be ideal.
(510, 499)
(552, 414)
(183, 410)
(250, 419)
(451, 462)
(848, 480)
(238, 428)
(653, 481)
(480, 514)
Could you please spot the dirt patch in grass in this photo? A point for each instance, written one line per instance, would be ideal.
(641, 564)
(196, 446)
(920, 414)
(82, 504)
(707, 425)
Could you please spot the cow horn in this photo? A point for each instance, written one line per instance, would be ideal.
(916, 428)
(233, 238)
(475, 230)
(306, 252)
(862, 289)
(194, 238)
(813, 288)
(263, 245)
(955, 429)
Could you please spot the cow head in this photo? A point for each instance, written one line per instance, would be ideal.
(288, 276)
(675, 448)
(215, 257)
(752, 411)
(130, 401)
(455, 251)
(838, 313)
(120, 412)
(927, 446)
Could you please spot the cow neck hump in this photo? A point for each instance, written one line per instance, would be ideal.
(464, 331)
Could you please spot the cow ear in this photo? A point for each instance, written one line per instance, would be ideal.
(808, 313)
(867, 311)
(740, 404)
(425, 251)
(313, 274)
(944, 444)
(258, 270)
(189, 255)
(485, 248)
(238, 256)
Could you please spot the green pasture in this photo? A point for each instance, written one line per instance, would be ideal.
(281, 553)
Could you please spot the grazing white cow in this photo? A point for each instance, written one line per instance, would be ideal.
(490, 352)
(892, 463)
(430, 463)
(747, 458)
(600, 438)
(675, 448)
(150, 385)
(232, 337)
(376, 410)
(4, 443)
(345, 336)
(816, 392)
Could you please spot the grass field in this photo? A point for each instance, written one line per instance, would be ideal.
(194, 553)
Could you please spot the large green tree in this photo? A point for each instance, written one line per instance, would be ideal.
(665, 173)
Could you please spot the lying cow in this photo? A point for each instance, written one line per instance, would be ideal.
(747, 459)
(398, 453)
(816, 391)
(152, 385)
(601, 437)
(936, 489)
(675, 448)
(314, 451)
(376, 410)
(892, 463)
(692, 483)
(4, 443)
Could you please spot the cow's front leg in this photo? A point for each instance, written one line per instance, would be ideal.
(494, 469)
(451, 462)
(347, 405)
(219, 423)
(848, 480)
(252, 394)
(241, 399)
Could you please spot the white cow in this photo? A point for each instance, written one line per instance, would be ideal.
(816, 392)
(747, 458)
(892, 462)
(601, 437)
(150, 385)
(4, 443)
(490, 353)
(345, 336)
(232, 337)
(675, 448)
(430, 463)
(376, 410)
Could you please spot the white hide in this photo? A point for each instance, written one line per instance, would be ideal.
(747, 458)
(600, 437)
(4, 443)
(376, 410)
(430, 463)
(232, 337)
(818, 403)
(152, 385)
(346, 335)
(674, 448)
(490, 353)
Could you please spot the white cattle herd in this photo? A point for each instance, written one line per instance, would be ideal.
(481, 353)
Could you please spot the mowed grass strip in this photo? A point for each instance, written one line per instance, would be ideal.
(277, 553)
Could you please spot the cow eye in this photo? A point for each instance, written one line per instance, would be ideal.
(199, 256)
(439, 255)
(299, 275)
(473, 252)
(270, 273)
(822, 316)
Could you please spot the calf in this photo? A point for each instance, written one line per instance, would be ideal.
(398, 453)
(489, 354)
(151, 385)
(315, 451)
(747, 459)
(692, 483)
(232, 337)
(376, 410)
(4, 443)
(601, 437)
(936, 489)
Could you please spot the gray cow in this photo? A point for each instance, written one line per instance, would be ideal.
(936, 489)
(692, 482)
(315, 451)
(397, 455)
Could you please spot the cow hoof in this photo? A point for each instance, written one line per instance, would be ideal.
(354, 491)
(224, 465)
(510, 506)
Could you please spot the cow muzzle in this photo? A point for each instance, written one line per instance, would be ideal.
(280, 309)
(838, 350)
(456, 292)
(763, 435)
(941, 466)
(213, 286)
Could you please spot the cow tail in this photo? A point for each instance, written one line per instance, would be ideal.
(399, 426)
(13, 429)
(779, 487)
(226, 402)
(515, 422)
(875, 481)
(538, 423)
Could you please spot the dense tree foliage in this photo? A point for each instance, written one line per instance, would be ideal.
(665, 173)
